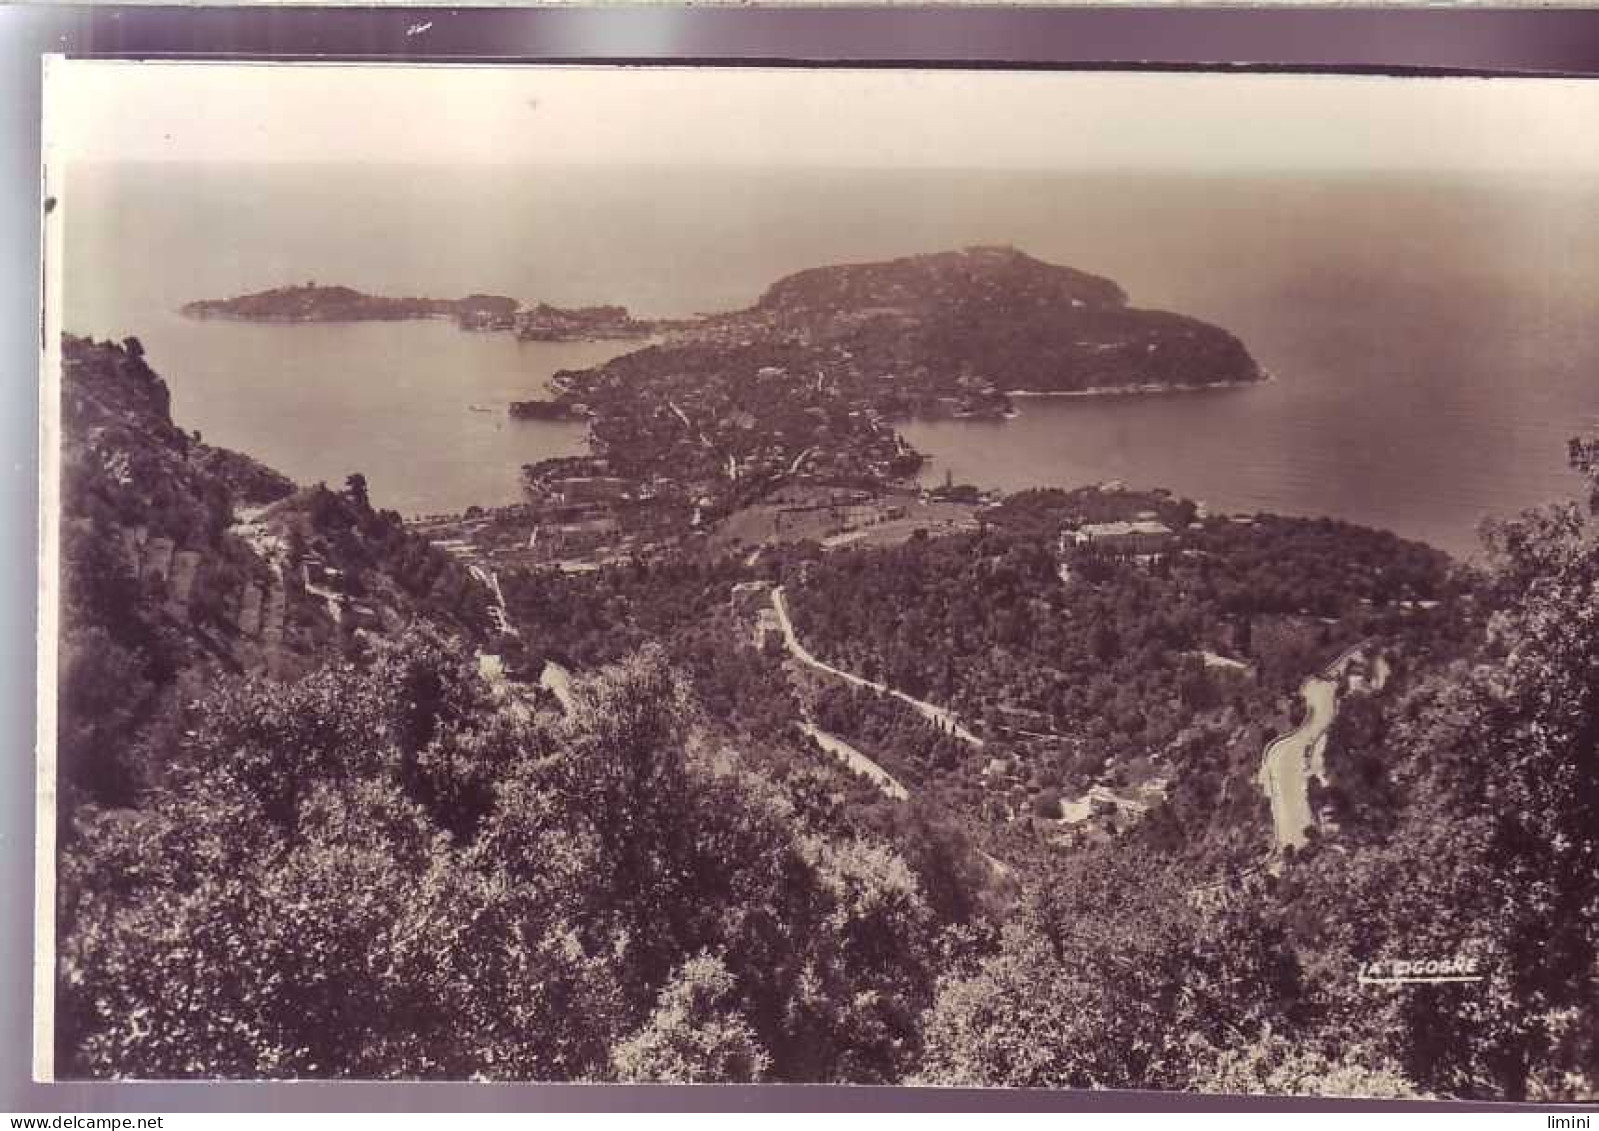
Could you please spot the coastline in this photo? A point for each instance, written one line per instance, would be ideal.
(645, 337)
(301, 320)
(1154, 389)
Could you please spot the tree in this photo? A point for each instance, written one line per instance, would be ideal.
(695, 1035)
(1046, 804)
(1111, 978)
(355, 490)
(101, 690)
(290, 885)
(1498, 841)
(1529, 767)
(1278, 1066)
(382, 871)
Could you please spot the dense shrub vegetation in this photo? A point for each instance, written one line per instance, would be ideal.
(379, 873)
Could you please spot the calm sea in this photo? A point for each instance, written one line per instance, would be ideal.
(1434, 340)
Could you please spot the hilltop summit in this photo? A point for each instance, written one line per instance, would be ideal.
(322, 303)
(928, 284)
(993, 314)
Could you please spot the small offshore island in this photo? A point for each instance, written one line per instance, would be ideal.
(313, 303)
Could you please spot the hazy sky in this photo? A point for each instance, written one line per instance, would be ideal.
(116, 111)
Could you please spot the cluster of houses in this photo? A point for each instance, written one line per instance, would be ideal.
(544, 322)
(580, 514)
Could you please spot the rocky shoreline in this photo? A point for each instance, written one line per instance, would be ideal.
(1145, 390)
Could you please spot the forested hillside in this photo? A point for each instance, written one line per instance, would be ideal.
(379, 873)
(1000, 313)
(346, 848)
(1478, 841)
(1176, 666)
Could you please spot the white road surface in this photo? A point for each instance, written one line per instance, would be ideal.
(943, 719)
(856, 761)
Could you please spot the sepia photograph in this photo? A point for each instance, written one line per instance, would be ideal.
(820, 575)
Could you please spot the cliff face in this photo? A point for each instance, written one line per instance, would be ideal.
(997, 314)
(126, 462)
(183, 563)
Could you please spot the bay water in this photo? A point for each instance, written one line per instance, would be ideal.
(1433, 339)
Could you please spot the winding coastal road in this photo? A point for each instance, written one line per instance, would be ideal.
(1285, 769)
(943, 719)
(1293, 759)
(856, 761)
